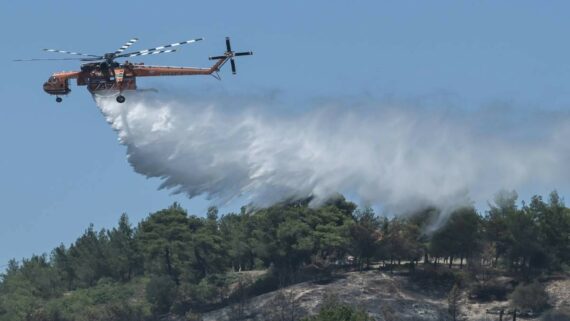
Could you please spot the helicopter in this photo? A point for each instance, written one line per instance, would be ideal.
(103, 74)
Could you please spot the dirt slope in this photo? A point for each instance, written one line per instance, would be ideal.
(385, 297)
(378, 293)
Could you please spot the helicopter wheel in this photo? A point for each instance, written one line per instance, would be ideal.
(120, 99)
(58, 99)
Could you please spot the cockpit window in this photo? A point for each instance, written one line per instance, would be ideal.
(52, 79)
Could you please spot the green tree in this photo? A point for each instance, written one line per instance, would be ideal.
(553, 221)
(209, 250)
(62, 262)
(524, 247)
(460, 236)
(283, 238)
(41, 276)
(401, 240)
(236, 232)
(496, 222)
(165, 240)
(19, 296)
(88, 257)
(125, 259)
(331, 224)
(365, 236)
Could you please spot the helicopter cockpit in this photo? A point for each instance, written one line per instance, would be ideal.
(57, 86)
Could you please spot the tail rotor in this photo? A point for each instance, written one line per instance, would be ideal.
(229, 54)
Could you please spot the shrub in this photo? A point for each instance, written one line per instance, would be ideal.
(340, 313)
(556, 315)
(430, 275)
(487, 292)
(191, 316)
(388, 313)
(532, 296)
(333, 310)
(161, 292)
(437, 280)
(105, 301)
(267, 283)
(204, 293)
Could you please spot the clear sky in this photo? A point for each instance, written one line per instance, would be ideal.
(62, 168)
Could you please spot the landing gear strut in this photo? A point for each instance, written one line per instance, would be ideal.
(120, 99)
(58, 99)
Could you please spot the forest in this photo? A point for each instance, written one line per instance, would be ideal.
(176, 265)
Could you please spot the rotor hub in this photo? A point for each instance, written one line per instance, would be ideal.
(109, 57)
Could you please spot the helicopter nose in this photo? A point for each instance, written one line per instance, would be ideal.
(50, 86)
(47, 87)
(56, 87)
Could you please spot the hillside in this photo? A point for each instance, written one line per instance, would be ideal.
(177, 266)
(385, 297)
(377, 292)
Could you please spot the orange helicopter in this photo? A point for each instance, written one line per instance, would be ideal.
(102, 73)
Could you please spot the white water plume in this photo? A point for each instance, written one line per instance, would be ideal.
(401, 158)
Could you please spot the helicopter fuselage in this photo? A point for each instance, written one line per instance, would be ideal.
(97, 77)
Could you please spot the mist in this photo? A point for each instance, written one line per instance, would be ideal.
(399, 156)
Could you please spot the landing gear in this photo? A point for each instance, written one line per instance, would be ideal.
(58, 99)
(120, 99)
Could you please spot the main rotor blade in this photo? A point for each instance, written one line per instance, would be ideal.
(160, 48)
(148, 53)
(71, 52)
(233, 66)
(245, 53)
(43, 59)
(228, 45)
(126, 45)
(217, 57)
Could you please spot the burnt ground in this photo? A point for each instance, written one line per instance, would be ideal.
(386, 298)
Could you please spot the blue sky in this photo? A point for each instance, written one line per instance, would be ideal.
(62, 168)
